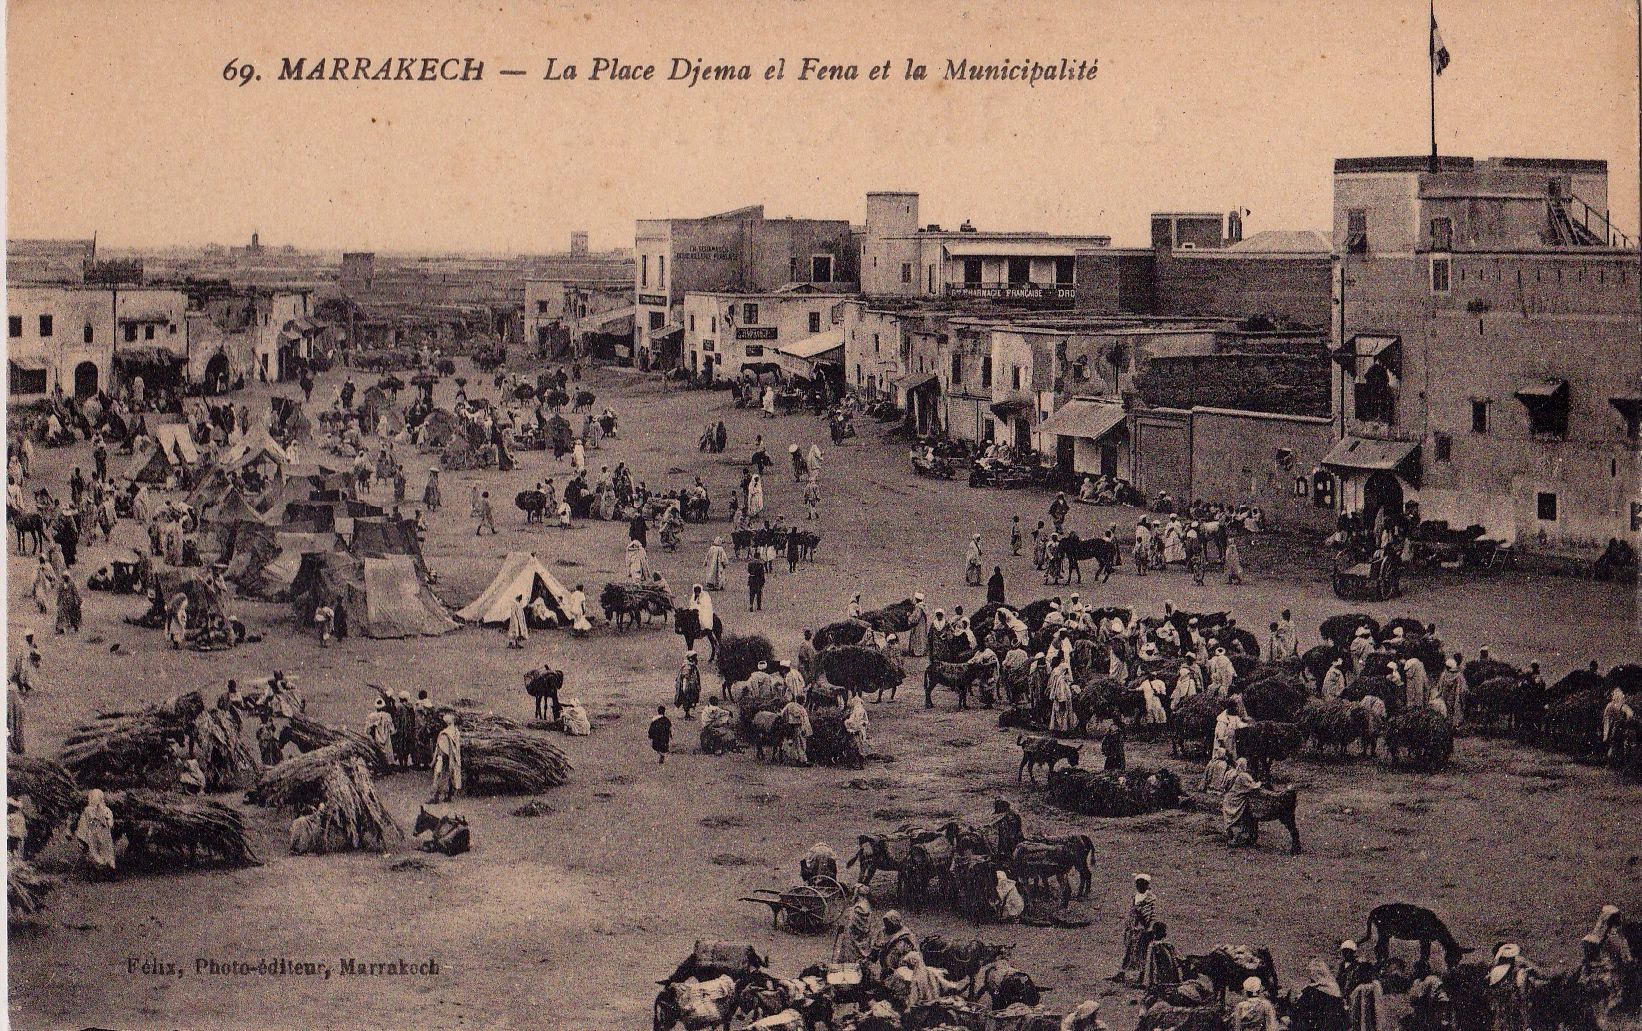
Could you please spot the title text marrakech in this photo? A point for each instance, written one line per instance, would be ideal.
(687, 71)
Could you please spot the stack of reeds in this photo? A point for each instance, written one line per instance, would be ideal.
(308, 734)
(171, 830)
(501, 757)
(26, 890)
(49, 795)
(120, 749)
(228, 759)
(334, 784)
(891, 619)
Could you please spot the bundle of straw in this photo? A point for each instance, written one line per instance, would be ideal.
(501, 761)
(308, 734)
(227, 758)
(354, 818)
(26, 890)
(346, 816)
(49, 795)
(119, 749)
(298, 782)
(174, 830)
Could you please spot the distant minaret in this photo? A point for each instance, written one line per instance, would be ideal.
(578, 242)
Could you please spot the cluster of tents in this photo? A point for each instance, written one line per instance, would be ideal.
(308, 540)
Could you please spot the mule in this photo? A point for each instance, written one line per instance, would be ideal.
(1409, 922)
(687, 624)
(544, 685)
(448, 835)
(1275, 806)
(27, 526)
(1041, 861)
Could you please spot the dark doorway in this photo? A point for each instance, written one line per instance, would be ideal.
(85, 380)
(1382, 499)
(216, 374)
(1108, 459)
(1065, 453)
(1023, 435)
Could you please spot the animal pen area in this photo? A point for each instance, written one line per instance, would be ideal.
(577, 898)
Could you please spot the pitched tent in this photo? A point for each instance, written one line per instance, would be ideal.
(223, 520)
(398, 603)
(374, 597)
(249, 548)
(173, 439)
(333, 578)
(378, 538)
(258, 446)
(150, 467)
(521, 573)
(270, 566)
(233, 508)
(213, 487)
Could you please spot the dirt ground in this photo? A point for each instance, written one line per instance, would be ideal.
(566, 920)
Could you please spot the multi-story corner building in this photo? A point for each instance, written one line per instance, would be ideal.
(737, 251)
(900, 258)
(1488, 348)
(791, 329)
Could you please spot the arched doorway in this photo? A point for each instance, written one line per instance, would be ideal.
(1382, 499)
(216, 374)
(85, 380)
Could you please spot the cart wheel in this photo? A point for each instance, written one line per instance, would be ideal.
(803, 921)
(827, 885)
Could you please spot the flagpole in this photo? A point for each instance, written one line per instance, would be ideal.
(1431, 68)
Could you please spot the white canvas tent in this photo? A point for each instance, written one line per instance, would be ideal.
(521, 574)
(258, 446)
(398, 603)
(174, 440)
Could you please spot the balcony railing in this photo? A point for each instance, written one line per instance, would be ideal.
(1012, 291)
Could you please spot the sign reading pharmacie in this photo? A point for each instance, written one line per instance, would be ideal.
(755, 332)
(658, 299)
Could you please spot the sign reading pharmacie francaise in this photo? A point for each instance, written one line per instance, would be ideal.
(652, 299)
(755, 332)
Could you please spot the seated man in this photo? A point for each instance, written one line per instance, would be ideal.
(1009, 903)
(538, 615)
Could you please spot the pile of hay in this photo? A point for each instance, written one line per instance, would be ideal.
(740, 654)
(1275, 698)
(1130, 792)
(891, 619)
(834, 635)
(1340, 630)
(49, 795)
(1420, 738)
(1194, 718)
(26, 890)
(501, 756)
(173, 830)
(346, 814)
(119, 749)
(227, 758)
(859, 669)
(308, 734)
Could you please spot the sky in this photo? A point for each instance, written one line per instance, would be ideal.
(119, 120)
